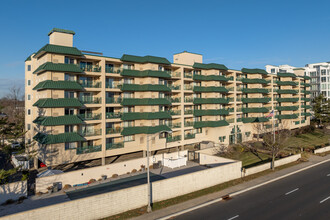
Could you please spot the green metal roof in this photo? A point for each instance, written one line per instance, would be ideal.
(254, 81)
(60, 120)
(286, 75)
(254, 119)
(212, 124)
(58, 67)
(128, 116)
(145, 87)
(61, 31)
(254, 90)
(145, 130)
(58, 138)
(287, 91)
(145, 59)
(145, 73)
(285, 83)
(200, 112)
(219, 89)
(210, 78)
(61, 85)
(287, 108)
(287, 99)
(29, 58)
(51, 48)
(255, 110)
(255, 100)
(254, 71)
(289, 116)
(210, 66)
(145, 101)
(211, 101)
(57, 103)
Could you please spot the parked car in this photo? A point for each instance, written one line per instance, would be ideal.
(15, 144)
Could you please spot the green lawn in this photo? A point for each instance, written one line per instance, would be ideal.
(249, 159)
(309, 140)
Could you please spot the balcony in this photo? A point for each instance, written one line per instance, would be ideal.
(145, 101)
(255, 100)
(188, 111)
(145, 87)
(174, 87)
(175, 74)
(111, 115)
(287, 99)
(115, 130)
(90, 100)
(145, 73)
(287, 91)
(112, 100)
(188, 99)
(286, 83)
(90, 84)
(113, 85)
(255, 110)
(113, 70)
(199, 112)
(90, 68)
(173, 138)
(287, 116)
(188, 75)
(174, 125)
(211, 101)
(287, 108)
(188, 123)
(175, 112)
(212, 124)
(175, 100)
(219, 89)
(212, 78)
(90, 116)
(188, 87)
(95, 132)
(189, 136)
(253, 81)
(89, 149)
(256, 90)
(117, 145)
(255, 119)
(129, 116)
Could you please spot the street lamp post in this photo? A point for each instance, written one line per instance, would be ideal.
(148, 171)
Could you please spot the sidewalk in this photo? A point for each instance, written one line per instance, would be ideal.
(200, 200)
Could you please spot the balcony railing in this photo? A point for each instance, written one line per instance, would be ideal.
(174, 87)
(90, 68)
(188, 99)
(90, 100)
(90, 116)
(230, 120)
(114, 70)
(188, 87)
(175, 100)
(112, 100)
(95, 132)
(175, 112)
(174, 125)
(113, 85)
(173, 138)
(188, 75)
(114, 130)
(175, 74)
(110, 115)
(110, 146)
(188, 111)
(188, 123)
(89, 149)
(189, 136)
(90, 84)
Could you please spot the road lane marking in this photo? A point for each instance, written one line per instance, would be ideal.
(291, 191)
(328, 174)
(325, 199)
(236, 216)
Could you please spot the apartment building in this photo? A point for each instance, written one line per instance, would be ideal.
(83, 106)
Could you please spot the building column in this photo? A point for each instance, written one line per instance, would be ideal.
(103, 111)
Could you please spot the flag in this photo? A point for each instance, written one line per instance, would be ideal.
(271, 114)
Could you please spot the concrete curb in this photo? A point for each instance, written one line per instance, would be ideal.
(241, 191)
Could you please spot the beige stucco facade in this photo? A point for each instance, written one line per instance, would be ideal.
(170, 96)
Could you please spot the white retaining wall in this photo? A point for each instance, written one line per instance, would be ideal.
(267, 166)
(13, 191)
(104, 205)
(84, 175)
(322, 150)
(206, 159)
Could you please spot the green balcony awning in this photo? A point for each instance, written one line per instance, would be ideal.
(145, 87)
(145, 73)
(287, 91)
(255, 100)
(286, 75)
(255, 110)
(211, 124)
(210, 66)
(220, 89)
(254, 81)
(128, 116)
(290, 116)
(58, 85)
(145, 59)
(287, 99)
(210, 78)
(287, 108)
(57, 49)
(254, 71)
(58, 67)
(255, 119)
(255, 90)
(145, 101)
(58, 103)
(60, 120)
(145, 129)
(286, 83)
(58, 138)
(211, 101)
(198, 112)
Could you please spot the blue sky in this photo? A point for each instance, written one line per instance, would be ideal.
(237, 33)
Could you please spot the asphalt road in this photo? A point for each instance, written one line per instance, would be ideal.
(305, 195)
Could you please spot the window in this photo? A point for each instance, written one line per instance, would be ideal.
(128, 81)
(29, 127)
(29, 82)
(28, 67)
(69, 94)
(247, 134)
(128, 66)
(323, 79)
(69, 111)
(68, 128)
(160, 68)
(272, 70)
(69, 146)
(222, 139)
(128, 94)
(29, 111)
(129, 138)
(68, 77)
(28, 97)
(69, 60)
(323, 72)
